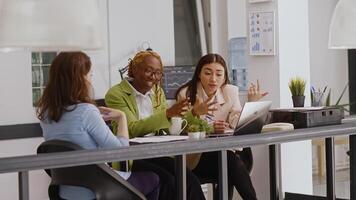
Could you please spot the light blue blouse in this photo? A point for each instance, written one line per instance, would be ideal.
(83, 126)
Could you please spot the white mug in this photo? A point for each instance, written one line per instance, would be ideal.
(176, 125)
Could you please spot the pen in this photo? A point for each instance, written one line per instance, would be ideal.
(322, 94)
(313, 89)
(209, 118)
(324, 89)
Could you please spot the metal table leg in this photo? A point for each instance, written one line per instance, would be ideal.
(352, 142)
(23, 186)
(223, 184)
(273, 173)
(330, 168)
(181, 177)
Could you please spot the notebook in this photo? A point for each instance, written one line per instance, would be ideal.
(252, 118)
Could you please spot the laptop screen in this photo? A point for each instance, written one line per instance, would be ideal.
(251, 120)
(253, 117)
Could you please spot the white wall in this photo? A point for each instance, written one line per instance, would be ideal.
(16, 89)
(328, 67)
(131, 22)
(236, 11)
(266, 70)
(219, 27)
(294, 61)
(274, 72)
(293, 47)
(100, 59)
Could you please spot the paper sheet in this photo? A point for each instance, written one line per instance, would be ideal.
(155, 139)
(299, 108)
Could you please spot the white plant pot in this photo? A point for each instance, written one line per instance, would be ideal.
(202, 134)
(196, 135)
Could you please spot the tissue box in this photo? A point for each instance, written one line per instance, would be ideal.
(308, 117)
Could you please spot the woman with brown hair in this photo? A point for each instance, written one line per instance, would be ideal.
(217, 102)
(67, 112)
(144, 103)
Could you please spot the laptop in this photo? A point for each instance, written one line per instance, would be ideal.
(252, 118)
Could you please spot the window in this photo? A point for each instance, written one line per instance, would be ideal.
(237, 63)
(186, 32)
(41, 63)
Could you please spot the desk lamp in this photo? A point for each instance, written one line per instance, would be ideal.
(342, 30)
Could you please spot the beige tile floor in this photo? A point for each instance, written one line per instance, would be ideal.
(342, 184)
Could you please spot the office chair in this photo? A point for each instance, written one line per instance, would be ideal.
(123, 72)
(247, 157)
(100, 178)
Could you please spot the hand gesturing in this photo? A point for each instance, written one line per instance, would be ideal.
(203, 107)
(254, 93)
(178, 109)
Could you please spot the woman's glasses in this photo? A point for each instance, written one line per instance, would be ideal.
(158, 74)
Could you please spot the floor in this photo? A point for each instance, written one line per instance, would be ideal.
(207, 189)
(342, 185)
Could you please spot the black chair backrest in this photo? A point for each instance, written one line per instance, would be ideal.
(100, 102)
(124, 72)
(100, 178)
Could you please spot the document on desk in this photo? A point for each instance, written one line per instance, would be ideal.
(155, 139)
(299, 109)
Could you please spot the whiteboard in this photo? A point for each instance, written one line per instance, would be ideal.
(261, 32)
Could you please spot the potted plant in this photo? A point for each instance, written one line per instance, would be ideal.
(297, 88)
(198, 128)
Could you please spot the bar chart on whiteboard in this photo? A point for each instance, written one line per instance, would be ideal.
(261, 32)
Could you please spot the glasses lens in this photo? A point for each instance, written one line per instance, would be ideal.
(149, 72)
(158, 74)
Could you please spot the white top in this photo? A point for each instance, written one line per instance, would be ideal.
(144, 103)
(228, 103)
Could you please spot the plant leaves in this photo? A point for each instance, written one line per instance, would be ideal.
(297, 86)
(197, 125)
(327, 102)
(342, 94)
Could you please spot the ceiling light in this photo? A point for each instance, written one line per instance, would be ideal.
(50, 25)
